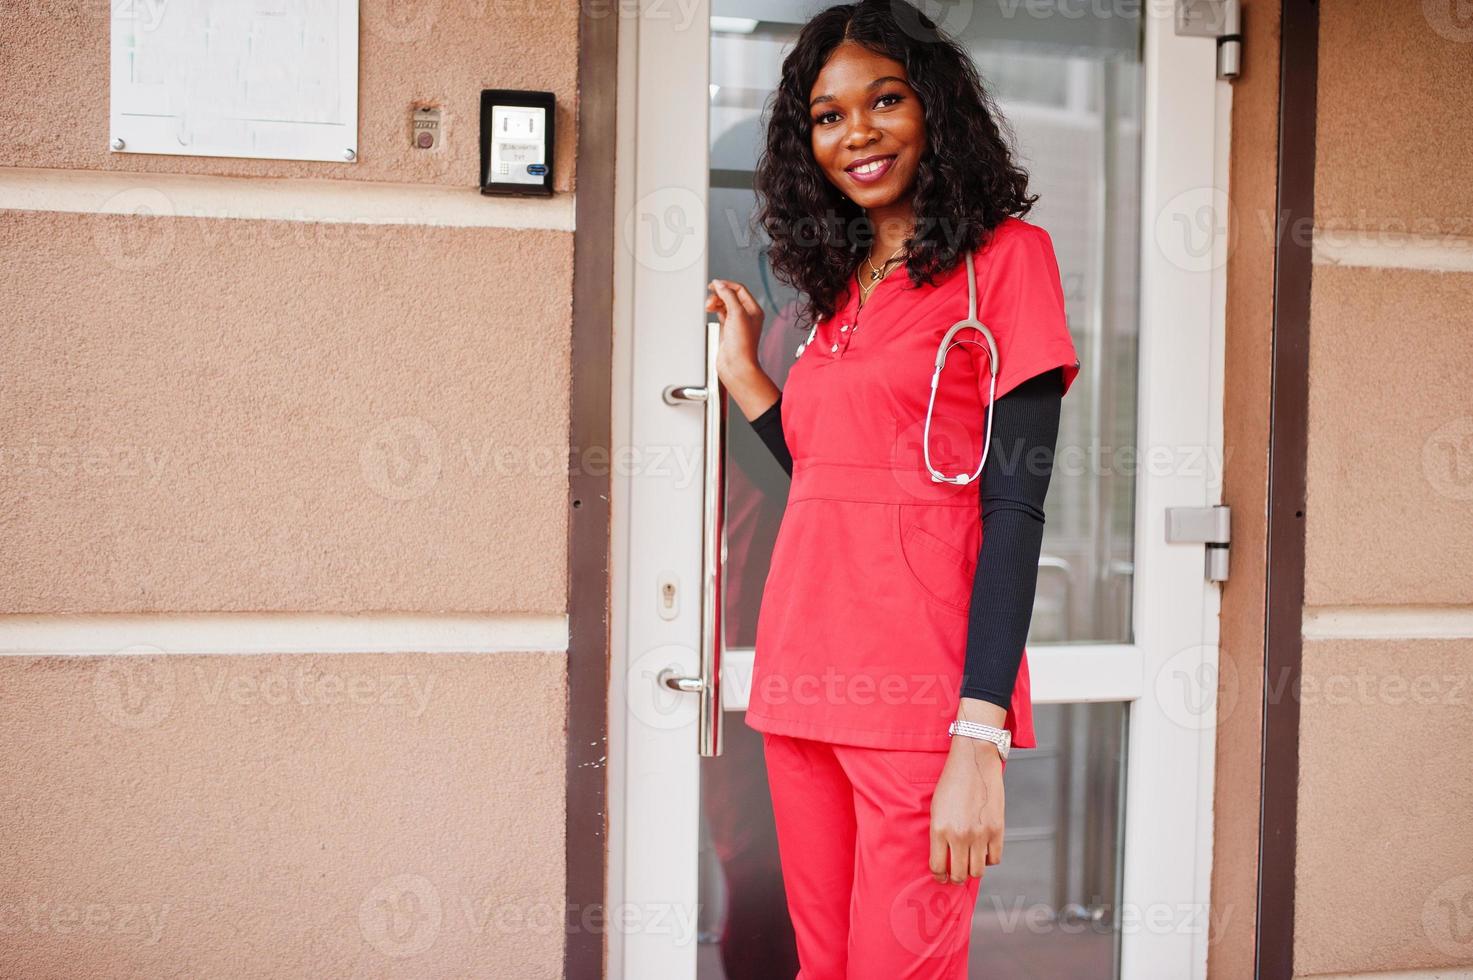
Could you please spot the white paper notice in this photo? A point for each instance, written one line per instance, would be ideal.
(236, 78)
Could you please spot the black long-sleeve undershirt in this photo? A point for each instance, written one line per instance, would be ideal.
(1015, 480)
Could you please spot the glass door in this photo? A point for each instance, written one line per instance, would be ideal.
(1122, 742)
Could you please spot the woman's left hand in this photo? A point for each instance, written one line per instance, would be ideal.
(967, 812)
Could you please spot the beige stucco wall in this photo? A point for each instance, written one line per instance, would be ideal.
(251, 816)
(1384, 876)
(258, 415)
(234, 415)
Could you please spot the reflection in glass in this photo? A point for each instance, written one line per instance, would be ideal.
(1050, 909)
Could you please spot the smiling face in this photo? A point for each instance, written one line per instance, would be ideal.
(869, 128)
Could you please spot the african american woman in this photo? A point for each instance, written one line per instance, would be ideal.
(889, 193)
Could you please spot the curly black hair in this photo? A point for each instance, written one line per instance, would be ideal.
(966, 185)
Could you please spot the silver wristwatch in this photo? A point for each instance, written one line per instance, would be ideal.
(1000, 737)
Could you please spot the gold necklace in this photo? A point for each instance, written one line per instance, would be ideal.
(875, 279)
(875, 275)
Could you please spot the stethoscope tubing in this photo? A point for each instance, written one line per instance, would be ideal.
(942, 350)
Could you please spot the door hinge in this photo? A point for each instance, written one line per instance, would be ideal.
(1220, 19)
(1210, 526)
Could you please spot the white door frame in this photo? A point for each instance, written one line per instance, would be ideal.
(1168, 673)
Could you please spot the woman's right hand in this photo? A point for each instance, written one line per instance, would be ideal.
(737, 364)
(741, 329)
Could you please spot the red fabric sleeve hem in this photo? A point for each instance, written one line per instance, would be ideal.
(1023, 304)
(1010, 379)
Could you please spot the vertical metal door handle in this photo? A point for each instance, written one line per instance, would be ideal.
(707, 684)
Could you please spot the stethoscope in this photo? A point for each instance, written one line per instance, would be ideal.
(942, 350)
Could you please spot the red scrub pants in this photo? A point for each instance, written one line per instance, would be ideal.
(853, 835)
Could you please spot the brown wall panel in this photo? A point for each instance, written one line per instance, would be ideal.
(218, 415)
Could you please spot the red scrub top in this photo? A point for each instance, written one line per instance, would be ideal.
(862, 633)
